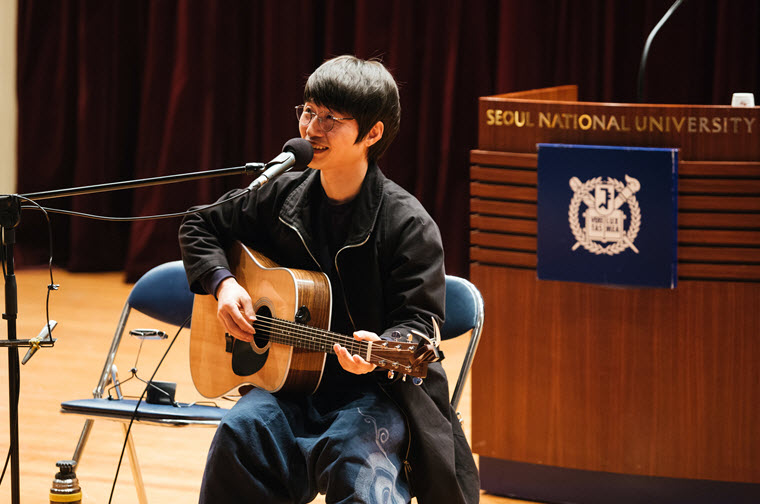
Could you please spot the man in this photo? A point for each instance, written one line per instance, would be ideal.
(362, 436)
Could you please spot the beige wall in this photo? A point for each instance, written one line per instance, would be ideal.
(8, 14)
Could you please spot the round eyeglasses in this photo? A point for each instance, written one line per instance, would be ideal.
(305, 114)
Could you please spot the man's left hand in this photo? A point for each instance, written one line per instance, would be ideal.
(354, 363)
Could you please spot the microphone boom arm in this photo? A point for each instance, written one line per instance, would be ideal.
(248, 169)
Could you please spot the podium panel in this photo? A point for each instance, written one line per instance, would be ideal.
(516, 122)
(636, 387)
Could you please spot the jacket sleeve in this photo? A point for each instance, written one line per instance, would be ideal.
(205, 236)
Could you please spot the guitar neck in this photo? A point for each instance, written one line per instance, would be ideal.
(405, 357)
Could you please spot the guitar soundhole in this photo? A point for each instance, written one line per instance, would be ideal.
(261, 338)
(249, 358)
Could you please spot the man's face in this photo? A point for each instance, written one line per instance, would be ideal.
(336, 148)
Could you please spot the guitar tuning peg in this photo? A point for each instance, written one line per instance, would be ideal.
(396, 335)
(403, 378)
(409, 338)
(417, 380)
(391, 374)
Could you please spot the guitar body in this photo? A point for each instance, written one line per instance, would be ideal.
(220, 364)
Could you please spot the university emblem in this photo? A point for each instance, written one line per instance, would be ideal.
(604, 230)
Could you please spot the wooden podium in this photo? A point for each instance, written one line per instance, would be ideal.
(585, 393)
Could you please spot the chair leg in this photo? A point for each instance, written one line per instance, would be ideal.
(142, 498)
(134, 464)
(83, 437)
(113, 377)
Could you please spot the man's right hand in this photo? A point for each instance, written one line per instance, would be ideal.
(235, 309)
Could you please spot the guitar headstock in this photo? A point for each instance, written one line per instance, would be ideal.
(408, 358)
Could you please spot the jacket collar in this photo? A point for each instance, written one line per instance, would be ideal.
(296, 211)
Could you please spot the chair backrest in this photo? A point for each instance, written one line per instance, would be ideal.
(464, 313)
(164, 294)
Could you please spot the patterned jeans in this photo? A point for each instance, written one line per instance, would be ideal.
(347, 445)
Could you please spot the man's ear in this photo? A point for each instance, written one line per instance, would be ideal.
(374, 134)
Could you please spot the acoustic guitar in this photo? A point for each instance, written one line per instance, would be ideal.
(291, 343)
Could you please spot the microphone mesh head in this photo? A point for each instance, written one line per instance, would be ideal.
(302, 151)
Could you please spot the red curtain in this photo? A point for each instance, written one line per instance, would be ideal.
(128, 89)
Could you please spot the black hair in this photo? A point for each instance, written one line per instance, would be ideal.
(363, 89)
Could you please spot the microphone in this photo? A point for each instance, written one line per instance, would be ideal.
(42, 337)
(296, 152)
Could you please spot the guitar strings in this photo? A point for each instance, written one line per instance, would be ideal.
(320, 339)
(287, 332)
(304, 331)
(292, 332)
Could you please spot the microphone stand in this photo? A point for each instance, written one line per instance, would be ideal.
(10, 216)
(645, 52)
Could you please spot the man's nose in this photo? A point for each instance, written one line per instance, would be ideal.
(314, 128)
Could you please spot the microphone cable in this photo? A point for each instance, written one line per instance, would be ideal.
(33, 205)
(242, 192)
(139, 401)
(51, 287)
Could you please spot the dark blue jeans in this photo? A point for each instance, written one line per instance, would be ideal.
(347, 445)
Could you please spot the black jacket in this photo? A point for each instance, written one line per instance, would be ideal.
(392, 279)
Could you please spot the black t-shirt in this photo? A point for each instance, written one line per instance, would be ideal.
(331, 224)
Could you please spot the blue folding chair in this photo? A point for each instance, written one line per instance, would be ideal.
(464, 316)
(162, 294)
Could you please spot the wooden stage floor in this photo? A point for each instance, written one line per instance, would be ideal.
(87, 307)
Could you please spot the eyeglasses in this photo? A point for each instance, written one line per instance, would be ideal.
(305, 114)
